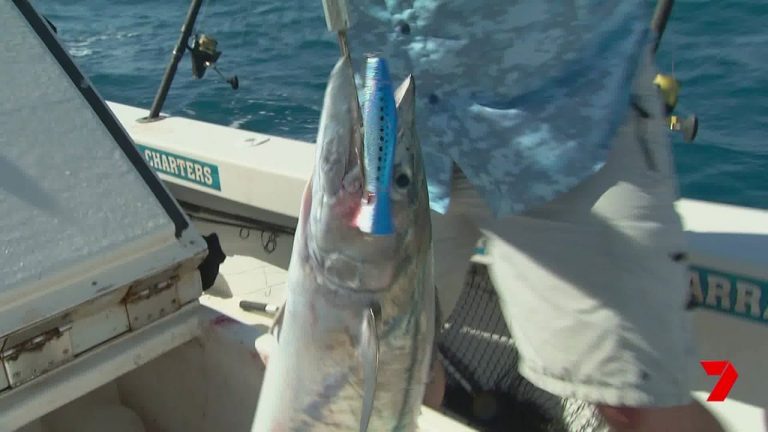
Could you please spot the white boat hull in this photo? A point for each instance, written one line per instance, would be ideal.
(260, 178)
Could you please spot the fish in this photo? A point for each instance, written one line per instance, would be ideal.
(356, 336)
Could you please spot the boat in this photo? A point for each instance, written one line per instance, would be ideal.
(108, 317)
(104, 322)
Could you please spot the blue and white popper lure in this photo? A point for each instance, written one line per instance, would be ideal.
(380, 138)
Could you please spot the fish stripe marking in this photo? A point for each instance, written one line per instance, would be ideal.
(330, 390)
(410, 373)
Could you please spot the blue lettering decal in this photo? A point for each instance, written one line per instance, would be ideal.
(731, 294)
(182, 167)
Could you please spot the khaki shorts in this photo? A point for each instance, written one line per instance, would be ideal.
(590, 284)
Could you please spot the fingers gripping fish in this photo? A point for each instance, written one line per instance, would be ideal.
(356, 333)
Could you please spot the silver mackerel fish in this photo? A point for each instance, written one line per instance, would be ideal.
(355, 337)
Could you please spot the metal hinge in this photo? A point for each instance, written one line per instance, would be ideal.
(32, 352)
(146, 304)
(33, 357)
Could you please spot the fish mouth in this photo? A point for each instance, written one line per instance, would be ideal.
(356, 233)
(357, 148)
(340, 133)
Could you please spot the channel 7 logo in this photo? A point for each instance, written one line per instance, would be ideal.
(728, 376)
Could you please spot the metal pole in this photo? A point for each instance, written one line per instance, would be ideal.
(660, 18)
(178, 53)
(337, 20)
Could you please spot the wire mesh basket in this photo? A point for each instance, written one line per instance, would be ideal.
(481, 359)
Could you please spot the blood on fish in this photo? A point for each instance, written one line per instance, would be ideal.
(348, 211)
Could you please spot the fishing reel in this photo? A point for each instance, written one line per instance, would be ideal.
(670, 89)
(204, 55)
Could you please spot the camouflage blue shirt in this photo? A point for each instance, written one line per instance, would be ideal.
(523, 95)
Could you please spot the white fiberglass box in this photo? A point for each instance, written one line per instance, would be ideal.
(95, 254)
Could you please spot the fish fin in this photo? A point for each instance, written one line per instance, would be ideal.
(277, 322)
(438, 313)
(405, 97)
(368, 351)
(438, 328)
(435, 354)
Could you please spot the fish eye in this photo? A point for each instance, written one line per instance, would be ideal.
(402, 180)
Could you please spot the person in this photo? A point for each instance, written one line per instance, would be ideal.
(542, 130)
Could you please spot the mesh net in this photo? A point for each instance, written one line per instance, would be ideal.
(481, 360)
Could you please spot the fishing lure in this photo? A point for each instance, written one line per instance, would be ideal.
(380, 138)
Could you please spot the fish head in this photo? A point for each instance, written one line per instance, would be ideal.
(369, 208)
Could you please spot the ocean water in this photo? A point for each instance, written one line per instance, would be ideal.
(282, 54)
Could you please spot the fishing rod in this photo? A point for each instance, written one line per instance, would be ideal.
(668, 85)
(204, 55)
(660, 19)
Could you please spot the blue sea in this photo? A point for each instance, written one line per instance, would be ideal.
(282, 54)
